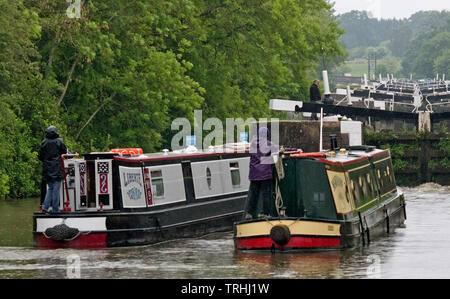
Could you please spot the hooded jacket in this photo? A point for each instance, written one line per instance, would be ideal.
(260, 156)
(52, 148)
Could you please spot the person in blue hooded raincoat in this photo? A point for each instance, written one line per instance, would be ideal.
(260, 173)
(52, 148)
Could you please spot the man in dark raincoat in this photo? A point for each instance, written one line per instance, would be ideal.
(260, 174)
(314, 96)
(52, 148)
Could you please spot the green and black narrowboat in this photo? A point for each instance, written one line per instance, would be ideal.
(327, 201)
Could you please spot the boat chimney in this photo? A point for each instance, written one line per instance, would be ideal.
(365, 81)
(333, 142)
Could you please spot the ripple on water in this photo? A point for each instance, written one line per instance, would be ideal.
(421, 249)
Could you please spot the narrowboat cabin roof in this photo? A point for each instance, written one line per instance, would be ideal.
(189, 152)
(351, 156)
(343, 156)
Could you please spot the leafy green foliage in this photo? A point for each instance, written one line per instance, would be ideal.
(118, 75)
(417, 45)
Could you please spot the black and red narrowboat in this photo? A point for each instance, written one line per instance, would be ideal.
(128, 198)
(330, 200)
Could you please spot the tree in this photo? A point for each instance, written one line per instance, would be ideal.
(118, 76)
(400, 39)
(442, 63)
(19, 80)
(251, 51)
(120, 72)
(423, 57)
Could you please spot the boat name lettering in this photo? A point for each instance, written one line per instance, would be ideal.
(129, 178)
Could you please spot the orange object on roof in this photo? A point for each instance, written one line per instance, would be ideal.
(128, 151)
(309, 155)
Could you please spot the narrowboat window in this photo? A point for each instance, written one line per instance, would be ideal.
(369, 184)
(157, 183)
(380, 178)
(235, 175)
(348, 193)
(362, 185)
(388, 170)
(367, 187)
(319, 198)
(352, 189)
(356, 191)
(208, 177)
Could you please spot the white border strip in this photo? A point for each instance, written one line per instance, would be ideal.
(84, 224)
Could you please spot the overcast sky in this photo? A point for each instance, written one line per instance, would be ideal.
(388, 9)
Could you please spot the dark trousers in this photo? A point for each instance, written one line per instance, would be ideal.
(257, 189)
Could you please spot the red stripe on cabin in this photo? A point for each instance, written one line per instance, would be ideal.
(386, 151)
(82, 241)
(296, 242)
(344, 163)
(324, 160)
(309, 155)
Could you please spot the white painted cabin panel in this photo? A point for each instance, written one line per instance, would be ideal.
(173, 184)
(132, 186)
(218, 180)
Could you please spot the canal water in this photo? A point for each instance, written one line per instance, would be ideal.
(420, 249)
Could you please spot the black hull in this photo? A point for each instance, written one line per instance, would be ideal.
(145, 227)
(376, 222)
(153, 235)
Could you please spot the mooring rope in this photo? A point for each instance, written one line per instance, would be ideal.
(76, 236)
(280, 175)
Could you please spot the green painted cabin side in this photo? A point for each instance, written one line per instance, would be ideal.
(332, 188)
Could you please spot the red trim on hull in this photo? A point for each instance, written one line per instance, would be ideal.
(296, 242)
(82, 241)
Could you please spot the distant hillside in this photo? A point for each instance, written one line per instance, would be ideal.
(364, 31)
(419, 45)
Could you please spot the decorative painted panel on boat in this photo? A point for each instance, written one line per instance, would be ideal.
(133, 195)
